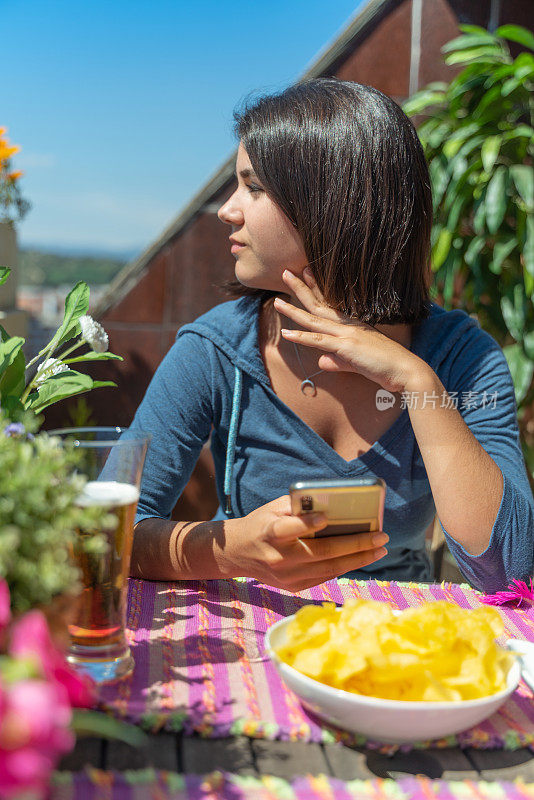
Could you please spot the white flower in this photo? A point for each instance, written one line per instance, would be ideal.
(52, 366)
(94, 334)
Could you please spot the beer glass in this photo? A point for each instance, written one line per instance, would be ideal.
(112, 461)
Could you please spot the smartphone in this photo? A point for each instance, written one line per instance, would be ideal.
(351, 506)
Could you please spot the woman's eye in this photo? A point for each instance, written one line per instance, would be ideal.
(253, 189)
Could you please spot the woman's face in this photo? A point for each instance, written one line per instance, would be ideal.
(264, 240)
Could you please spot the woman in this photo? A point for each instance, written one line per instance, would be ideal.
(333, 363)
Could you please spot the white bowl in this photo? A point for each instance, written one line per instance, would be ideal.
(389, 721)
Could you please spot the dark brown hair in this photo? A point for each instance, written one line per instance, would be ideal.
(345, 165)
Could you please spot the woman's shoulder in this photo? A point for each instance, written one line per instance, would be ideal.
(460, 351)
(444, 333)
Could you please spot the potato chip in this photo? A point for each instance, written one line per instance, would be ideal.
(436, 652)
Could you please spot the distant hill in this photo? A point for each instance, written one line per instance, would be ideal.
(37, 268)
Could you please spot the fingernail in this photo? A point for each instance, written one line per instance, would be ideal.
(380, 553)
(286, 273)
(379, 539)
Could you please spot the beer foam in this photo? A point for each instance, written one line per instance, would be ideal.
(108, 493)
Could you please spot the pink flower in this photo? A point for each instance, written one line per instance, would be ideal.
(30, 637)
(517, 592)
(34, 733)
(5, 613)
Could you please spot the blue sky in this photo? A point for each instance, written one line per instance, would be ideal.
(124, 109)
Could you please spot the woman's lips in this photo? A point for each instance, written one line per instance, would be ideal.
(236, 247)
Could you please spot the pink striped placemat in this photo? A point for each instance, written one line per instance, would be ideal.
(200, 665)
(94, 784)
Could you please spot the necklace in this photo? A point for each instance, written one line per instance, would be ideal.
(307, 386)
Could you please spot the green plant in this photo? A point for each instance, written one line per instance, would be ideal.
(38, 515)
(53, 378)
(478, 136)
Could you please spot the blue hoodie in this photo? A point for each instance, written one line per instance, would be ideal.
(213, 380)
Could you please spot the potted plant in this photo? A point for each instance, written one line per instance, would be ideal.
(38, 581)
(478, 134)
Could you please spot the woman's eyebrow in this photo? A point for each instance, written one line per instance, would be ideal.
(246, 173)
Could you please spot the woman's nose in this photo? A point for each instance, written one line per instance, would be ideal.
(230, 213)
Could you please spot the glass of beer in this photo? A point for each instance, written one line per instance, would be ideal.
(112, 461)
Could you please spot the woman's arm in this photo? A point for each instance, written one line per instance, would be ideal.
(478, 481)
(466, 483)
(265, 545)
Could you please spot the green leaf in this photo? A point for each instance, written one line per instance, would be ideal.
(496, 75)
(93, 723)
(439, 178)
(12, 374)
(509, 86)
(490, 151)
(514, 312)
(479, 217)
(475, 246)
(491, 97)
(528, 249)
(501, 251)
(58, 387)
(4, 274)
(528, 280)
(102, 384)
(523, 177)
(441, 249)
(485, 54)
(9, 351)
(496, 200)
(441, 132)
(521, 131)
(515, 33)
(472, 143)
(456, 209)
(521, 369)
(528, 345)
(469, 40)
(76, 305)
(418, 102)
(478, 29)
(469, 79)
(92, 356)
(456, 139)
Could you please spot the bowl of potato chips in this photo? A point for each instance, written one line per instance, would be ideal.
(415, 675)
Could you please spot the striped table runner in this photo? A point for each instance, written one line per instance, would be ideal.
(97, 785)
(200, 665)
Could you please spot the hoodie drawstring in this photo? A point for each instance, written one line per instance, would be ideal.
(232, 436)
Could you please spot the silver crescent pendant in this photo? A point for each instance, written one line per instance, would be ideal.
(306, 386)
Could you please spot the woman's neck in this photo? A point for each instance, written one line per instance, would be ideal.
(273, 322)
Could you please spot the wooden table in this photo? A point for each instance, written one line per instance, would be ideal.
(244, 756)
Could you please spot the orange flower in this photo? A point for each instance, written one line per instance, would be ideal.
(7, 152)
(13, 176)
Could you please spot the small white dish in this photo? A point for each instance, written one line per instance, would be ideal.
(525, 650)
(390, 721)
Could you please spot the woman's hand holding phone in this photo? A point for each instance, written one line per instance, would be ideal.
(267, 545)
